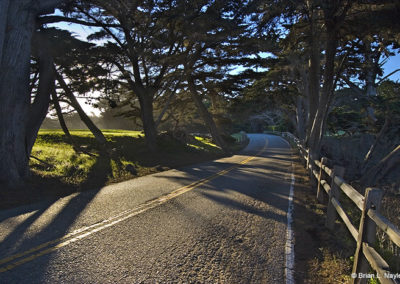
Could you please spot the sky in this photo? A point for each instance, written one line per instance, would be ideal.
(392, 64)
(82, 32)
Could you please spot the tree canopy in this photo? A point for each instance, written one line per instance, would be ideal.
(310, 66)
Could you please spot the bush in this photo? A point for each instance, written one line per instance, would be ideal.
(228, 139)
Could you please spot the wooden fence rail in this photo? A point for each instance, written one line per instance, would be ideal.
(365, 255)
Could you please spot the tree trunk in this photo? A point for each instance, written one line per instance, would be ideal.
(83, 116)
(376, 142)
(300, 118)
(208, 120)
(17, 24)
(372, 62)
(314, 72)
(303, 106)
(318, 124)
(3, 24)
(60, 116)
(40, 106)
(15, 38)
(165, 108)
(149, 126)
(380, 170)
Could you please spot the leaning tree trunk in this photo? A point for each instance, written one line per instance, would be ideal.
(60, 116)
(376, 142)
(98, 135)
(166, 105)
(380, 170)
(64, 126)
(149, 126)
(208, 120)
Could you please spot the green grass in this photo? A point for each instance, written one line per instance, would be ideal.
(58, 170)
(60, 163)
(204, 144)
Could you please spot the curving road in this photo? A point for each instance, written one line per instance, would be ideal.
(220, 221)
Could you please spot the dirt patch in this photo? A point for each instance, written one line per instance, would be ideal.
(321, 255)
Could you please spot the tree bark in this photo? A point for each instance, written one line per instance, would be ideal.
(303, 106)
(3, 24)
(208, 120)
(83, 116)
(17, 25)
(376, 142)
(314, 71)
(300, 118)
(318, 123)
(40, 106)
(15, 38)
(166, 106)
(146, 113)
(380, 170)
(372, 62)
(60, 116)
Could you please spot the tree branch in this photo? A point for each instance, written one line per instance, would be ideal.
(353, 86)
(387, 76)
(57, 19)
(105, 27)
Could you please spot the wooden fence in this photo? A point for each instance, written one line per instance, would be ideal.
(330, 185)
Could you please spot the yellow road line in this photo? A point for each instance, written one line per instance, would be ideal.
(84, 232)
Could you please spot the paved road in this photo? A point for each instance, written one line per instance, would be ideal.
(221, 221)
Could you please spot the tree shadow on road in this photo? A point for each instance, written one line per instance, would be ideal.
(234, 242)
(267, 181)
(59, 221)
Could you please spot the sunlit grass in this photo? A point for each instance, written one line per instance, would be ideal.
(58, 159)
(63, 162)
(108, 133)
(204, 144)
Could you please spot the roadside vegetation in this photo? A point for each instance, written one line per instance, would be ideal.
(321, 256)
(327, 256)
(169, 68)
(57, 168)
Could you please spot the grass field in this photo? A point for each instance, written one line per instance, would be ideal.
(56, 158)
(58, 170)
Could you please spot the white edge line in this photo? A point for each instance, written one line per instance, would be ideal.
(289, 246)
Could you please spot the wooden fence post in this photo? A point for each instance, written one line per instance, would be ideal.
(331, 214)
(366, 232)
(320, 189)
(310, 168)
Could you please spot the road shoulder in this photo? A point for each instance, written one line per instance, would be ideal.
(320, 257)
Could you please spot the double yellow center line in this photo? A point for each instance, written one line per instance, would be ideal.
(15, 260)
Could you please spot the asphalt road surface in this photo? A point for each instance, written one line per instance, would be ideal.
(217, 222)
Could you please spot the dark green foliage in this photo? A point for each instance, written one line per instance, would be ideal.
(389, 98)
(345, 119)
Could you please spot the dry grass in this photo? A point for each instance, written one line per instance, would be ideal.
(322, 256)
